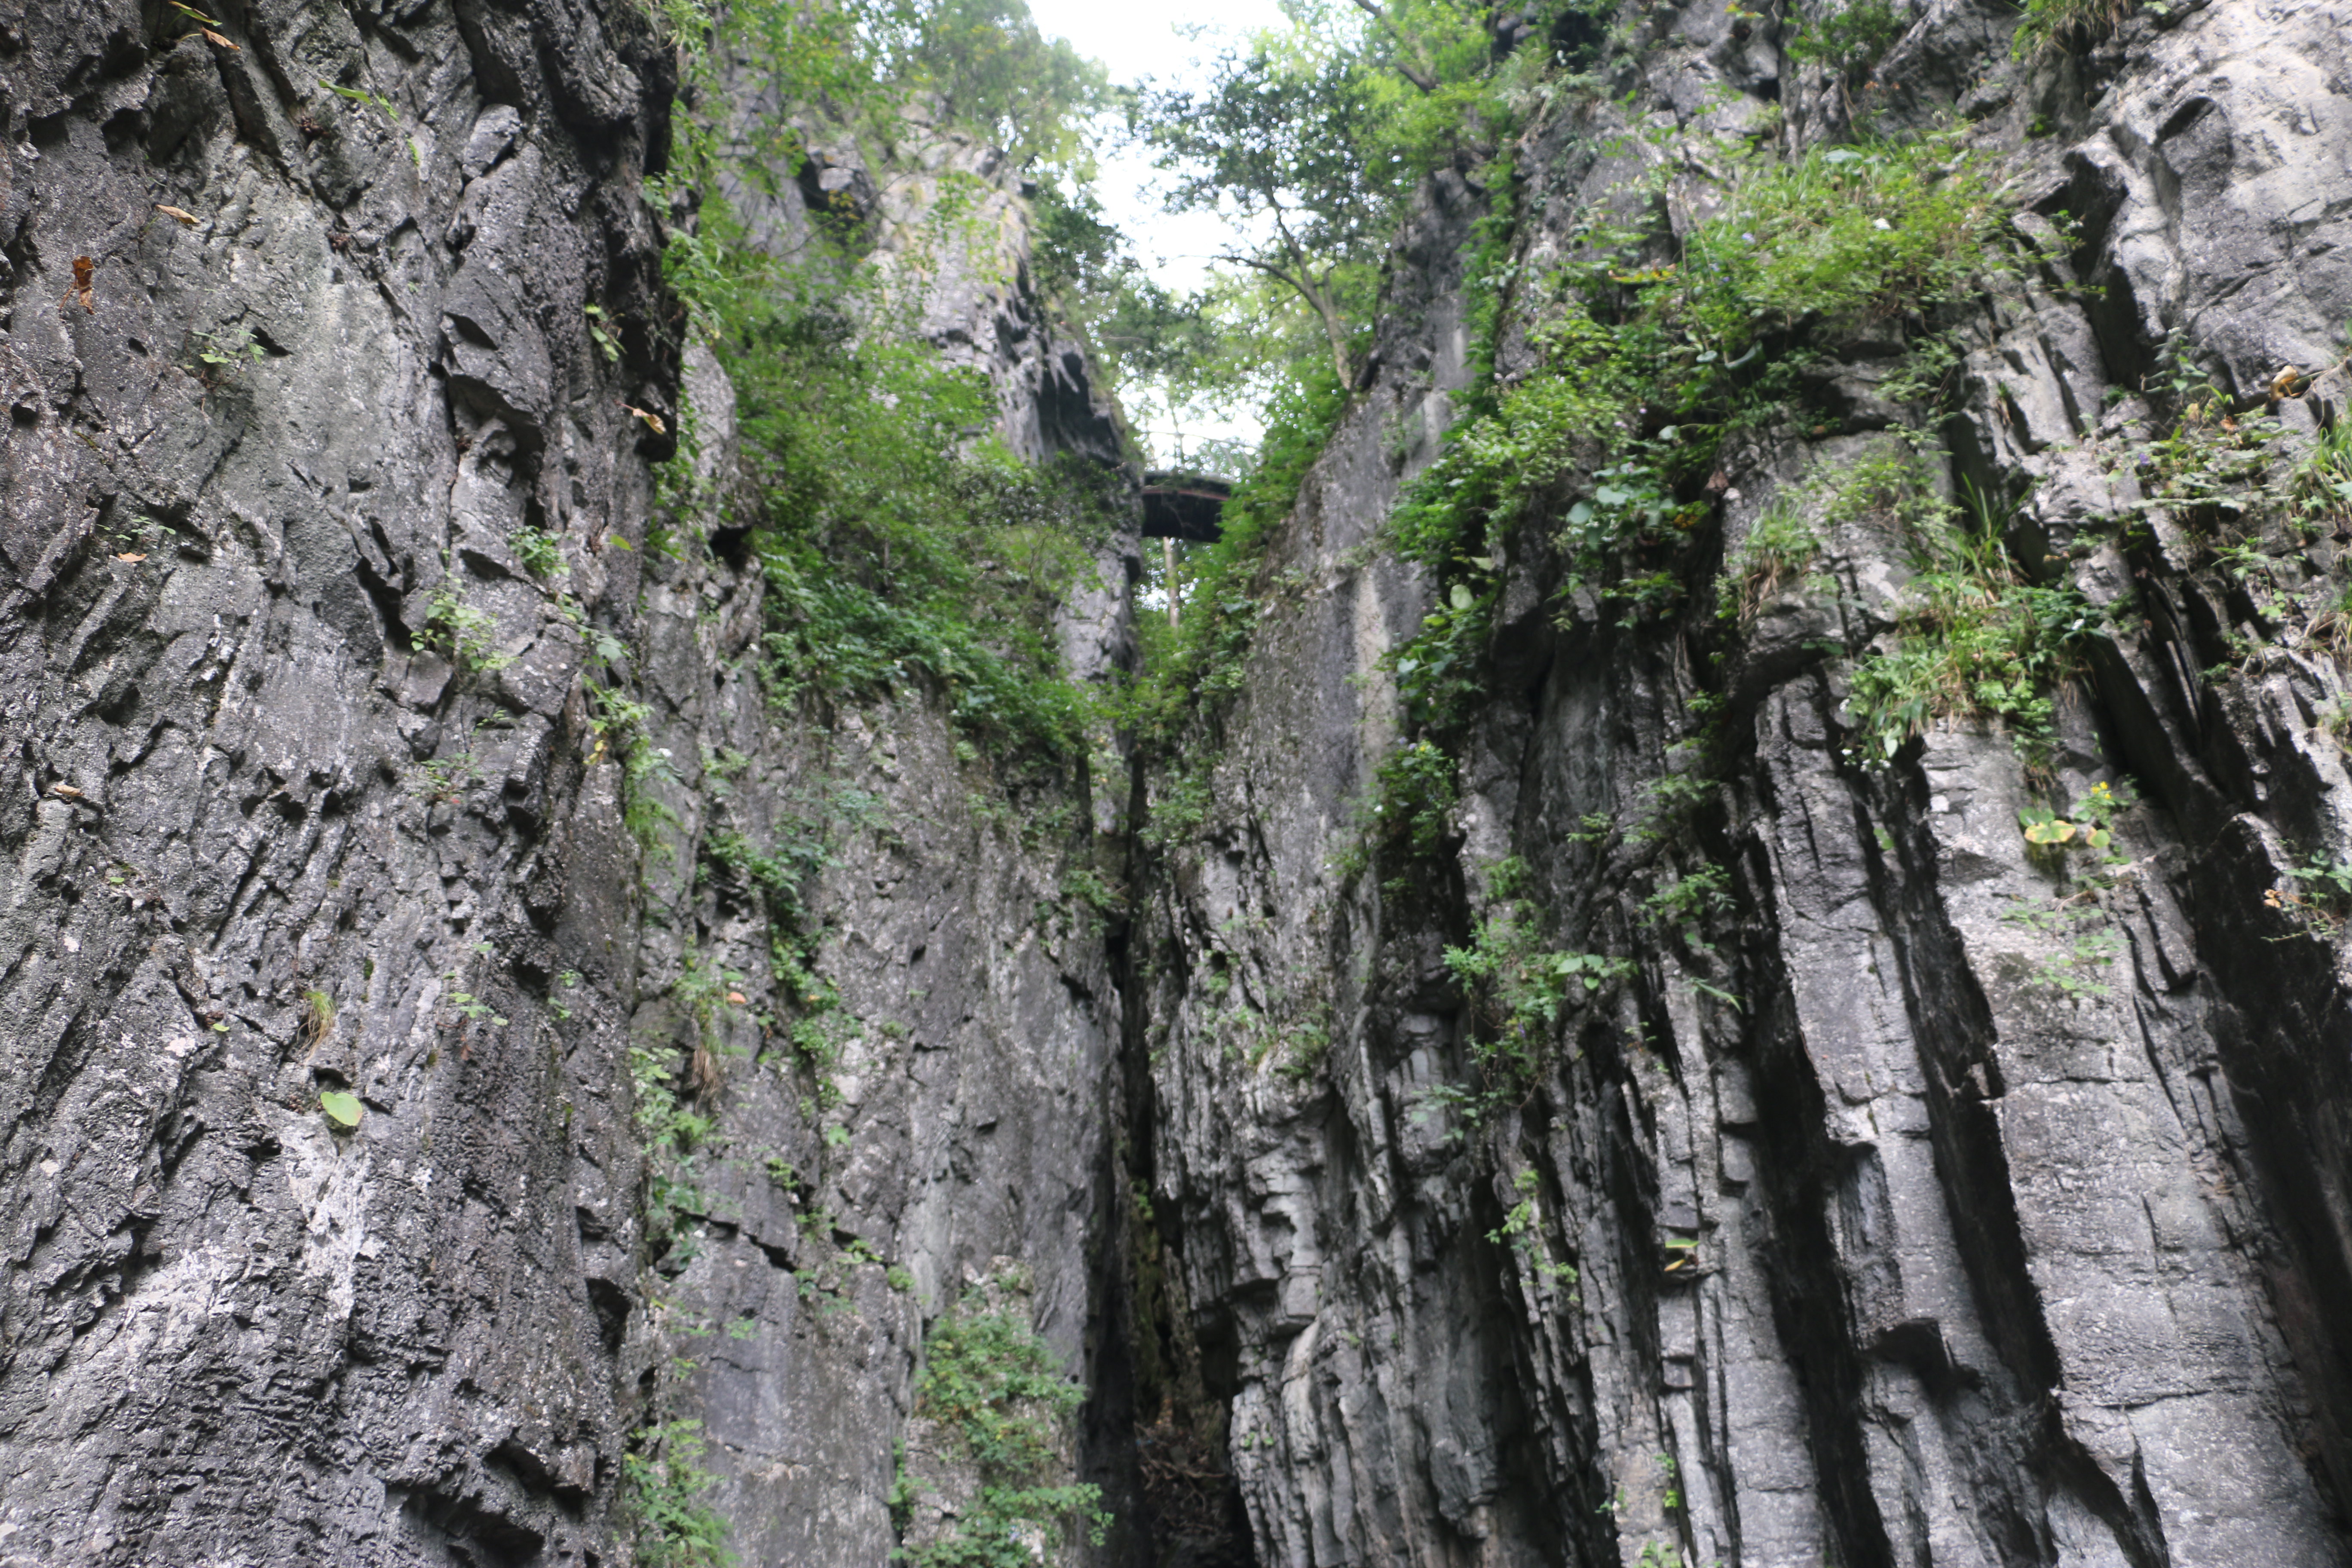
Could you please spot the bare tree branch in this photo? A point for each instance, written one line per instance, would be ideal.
(1335, 331)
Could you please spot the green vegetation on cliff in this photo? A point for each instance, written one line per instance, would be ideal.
(901, 540)
(990, 1387)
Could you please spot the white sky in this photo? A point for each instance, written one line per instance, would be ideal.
(1138, 40)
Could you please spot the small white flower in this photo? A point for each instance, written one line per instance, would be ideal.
(1881, 223)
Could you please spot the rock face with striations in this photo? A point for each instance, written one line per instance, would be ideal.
(1844, 1233)
(1850, 1234)
(338, 363)
(300, 793)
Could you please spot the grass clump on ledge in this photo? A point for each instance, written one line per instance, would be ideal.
(2050, 24)
(1975, 638)
(1884, 486)
(1644, 370)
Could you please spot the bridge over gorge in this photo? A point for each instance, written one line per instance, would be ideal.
(1183, 506)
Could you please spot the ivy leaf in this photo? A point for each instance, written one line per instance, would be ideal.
(342, 1109)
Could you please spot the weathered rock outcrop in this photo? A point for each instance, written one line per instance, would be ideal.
(326, 493)
(949, 1128)
(1851, 1235)
(296, 342)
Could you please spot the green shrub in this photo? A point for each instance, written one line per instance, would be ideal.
(1848, 42)
(1414, 790)
(1974, 639)
(1840, 240)
(1844, 236)
(1690, 898)
(1642, 372)
(901, 556)
(467, 634)
(902, 544)
(1518, 988)
(1437, 670)
(991, 1382)
(663, 1480)
(2050, 24)
(540, 552)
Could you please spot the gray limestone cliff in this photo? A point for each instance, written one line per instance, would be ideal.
(1851, 1235)
(1843, 1236)
(296, 341)
(340, 368)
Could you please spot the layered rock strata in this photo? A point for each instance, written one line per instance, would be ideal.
(301, 795)
(1847, 1232)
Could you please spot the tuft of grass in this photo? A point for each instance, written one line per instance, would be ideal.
(1884, 486)
(1781, 545)
(2322, 479)
(318, 1019)
(1976, 639)
(2051, 25)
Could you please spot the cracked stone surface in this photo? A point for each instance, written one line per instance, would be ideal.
(325, 365)
(1852, 1231)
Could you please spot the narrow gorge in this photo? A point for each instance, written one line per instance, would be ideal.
(1720, 935)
